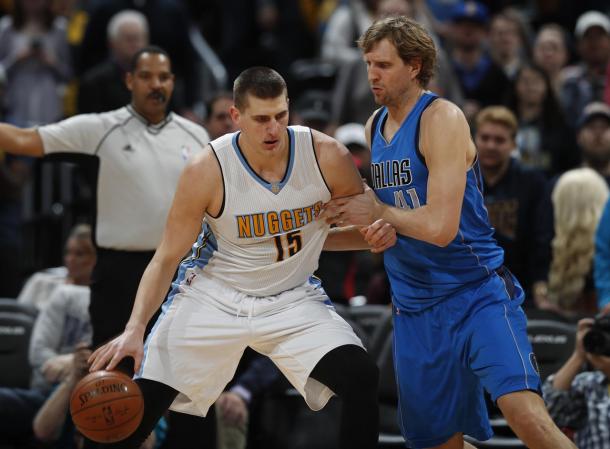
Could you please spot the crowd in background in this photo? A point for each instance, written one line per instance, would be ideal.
(532, 77)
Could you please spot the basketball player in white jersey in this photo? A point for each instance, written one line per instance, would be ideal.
(249, 280)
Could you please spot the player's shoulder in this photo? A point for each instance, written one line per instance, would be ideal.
(443, 106)
(203, 171)
(440, 112)
(325, 144)
(205, 161)
(196, 130)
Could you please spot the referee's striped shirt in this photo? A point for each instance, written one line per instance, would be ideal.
(139, 167)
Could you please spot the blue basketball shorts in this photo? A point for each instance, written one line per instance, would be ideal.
(446, 355)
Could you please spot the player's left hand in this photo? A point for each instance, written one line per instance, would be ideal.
(380, 235)
(358, 210)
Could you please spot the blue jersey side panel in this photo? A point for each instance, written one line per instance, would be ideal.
(422, 274)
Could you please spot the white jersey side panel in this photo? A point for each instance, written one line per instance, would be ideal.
(266, 240)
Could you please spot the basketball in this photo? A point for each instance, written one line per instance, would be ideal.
(106, 406)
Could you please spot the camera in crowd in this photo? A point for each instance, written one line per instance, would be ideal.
(597, 340)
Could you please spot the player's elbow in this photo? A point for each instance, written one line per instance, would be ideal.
(442, 236)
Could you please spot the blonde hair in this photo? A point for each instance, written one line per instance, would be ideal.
(410, 39)
(578, 198)
(499, 115)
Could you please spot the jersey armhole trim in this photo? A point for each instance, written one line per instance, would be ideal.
(376, 117)
(313, 148)
(224, 190)
(421, 157)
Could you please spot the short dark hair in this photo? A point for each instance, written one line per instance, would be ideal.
(260, 82)
(148, 49)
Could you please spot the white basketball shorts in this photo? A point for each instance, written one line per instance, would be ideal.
(199, 338)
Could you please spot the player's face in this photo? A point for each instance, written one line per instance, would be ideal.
(263, 122)
(151, 85)
(494, 144)
(389, 77)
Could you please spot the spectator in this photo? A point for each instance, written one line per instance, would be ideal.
(509, 41)
(601, 264)
(578, 400)
(482, 81)
(513, 197)
(551, 53)
(103, 88)
(218, 119)
(544, 139)
(62, 323)
(594, 138)
(345, 26)
(584, 83)
(232, 408)
(311, 109)
(79, 257)
(169, 29)
(35, 55)
(578, 201)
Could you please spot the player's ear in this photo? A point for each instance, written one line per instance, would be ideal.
(415, 64)
(235, 114)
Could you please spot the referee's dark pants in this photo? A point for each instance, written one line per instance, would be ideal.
(114, 284)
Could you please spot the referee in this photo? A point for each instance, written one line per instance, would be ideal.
(140, 150)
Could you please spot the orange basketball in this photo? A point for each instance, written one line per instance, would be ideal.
(106, 406)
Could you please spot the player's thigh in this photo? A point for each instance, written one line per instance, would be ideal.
(298, 337)
(438, 395)
(195, 347)
(500, 352)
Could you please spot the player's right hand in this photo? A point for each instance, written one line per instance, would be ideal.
(128, 344)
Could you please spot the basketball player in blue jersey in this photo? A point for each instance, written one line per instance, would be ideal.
(459, 327)
(249, 280)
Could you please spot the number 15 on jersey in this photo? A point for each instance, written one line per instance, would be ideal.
(290, 243)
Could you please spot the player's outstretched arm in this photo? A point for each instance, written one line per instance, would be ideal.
(199, 189)
(377, 237)
(448, 151)
(20, 141)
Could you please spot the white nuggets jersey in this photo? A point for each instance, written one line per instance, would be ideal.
(265, 239)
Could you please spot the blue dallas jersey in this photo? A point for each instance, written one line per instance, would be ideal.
(422, 274)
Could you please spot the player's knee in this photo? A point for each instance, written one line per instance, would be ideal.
(364, 377)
